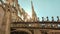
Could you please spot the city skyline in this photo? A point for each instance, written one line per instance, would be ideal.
(43, 8)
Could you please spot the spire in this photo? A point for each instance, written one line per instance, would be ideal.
(34, 17)
(32, 6)
(16, 2)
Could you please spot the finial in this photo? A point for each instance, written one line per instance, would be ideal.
(38, 19)
(57, 18)
(52, 18)
(47, 18)
(42, 18)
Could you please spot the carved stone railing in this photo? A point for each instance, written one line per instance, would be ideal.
(38, 25)
(53, 19)
(44, 24)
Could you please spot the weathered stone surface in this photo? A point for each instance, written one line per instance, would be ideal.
(1, 18)
(1, 15)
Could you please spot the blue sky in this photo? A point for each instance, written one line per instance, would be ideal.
(42, 8)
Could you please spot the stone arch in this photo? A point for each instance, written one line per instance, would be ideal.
(23, 30)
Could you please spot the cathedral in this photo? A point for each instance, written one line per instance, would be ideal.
(12, 23)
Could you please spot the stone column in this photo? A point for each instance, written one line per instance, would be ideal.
(8, 21)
